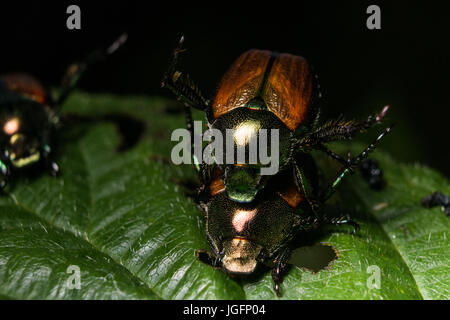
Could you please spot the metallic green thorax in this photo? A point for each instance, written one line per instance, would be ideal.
(25, 129)
(243, 181)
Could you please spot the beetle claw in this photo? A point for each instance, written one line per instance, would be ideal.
(381, 115)
(347, 220)
(179, 48)
(54, 169)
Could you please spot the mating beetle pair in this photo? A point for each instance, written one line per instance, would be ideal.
(252, 218)
(29, 116)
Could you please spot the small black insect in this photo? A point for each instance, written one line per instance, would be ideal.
(437, 199)
(372, 173)
(29, 116)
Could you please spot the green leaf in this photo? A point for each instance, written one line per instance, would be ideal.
(124, 219)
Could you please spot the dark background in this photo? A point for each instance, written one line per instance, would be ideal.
(405, 65)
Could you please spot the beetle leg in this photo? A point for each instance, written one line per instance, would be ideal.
(338, 130)
(76, 70)
(48, 161)
(352, 164)
(334, 155)
(306, 188)
(201, 168)
(213, 259)
(189, 93)
(369, 168)
(4, 172)
(206, 257)
(340, 221)
(190, 128)
(181, 84)
(54, 168)
(281, 264)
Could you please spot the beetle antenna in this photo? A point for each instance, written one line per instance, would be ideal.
(76, 70)
(117, 44)
(181, 84)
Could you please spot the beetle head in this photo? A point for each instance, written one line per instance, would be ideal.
(242, 183)
(240, 256)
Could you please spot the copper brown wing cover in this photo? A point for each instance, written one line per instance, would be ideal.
(25, 85)
(288, 90)
(241, 82)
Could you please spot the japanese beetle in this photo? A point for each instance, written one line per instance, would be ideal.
(243, 236)
(248, 219)
(29, 116)
(266, 90)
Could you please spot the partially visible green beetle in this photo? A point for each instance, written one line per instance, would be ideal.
(29, 116)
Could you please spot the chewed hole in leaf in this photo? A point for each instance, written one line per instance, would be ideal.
(314, 258)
